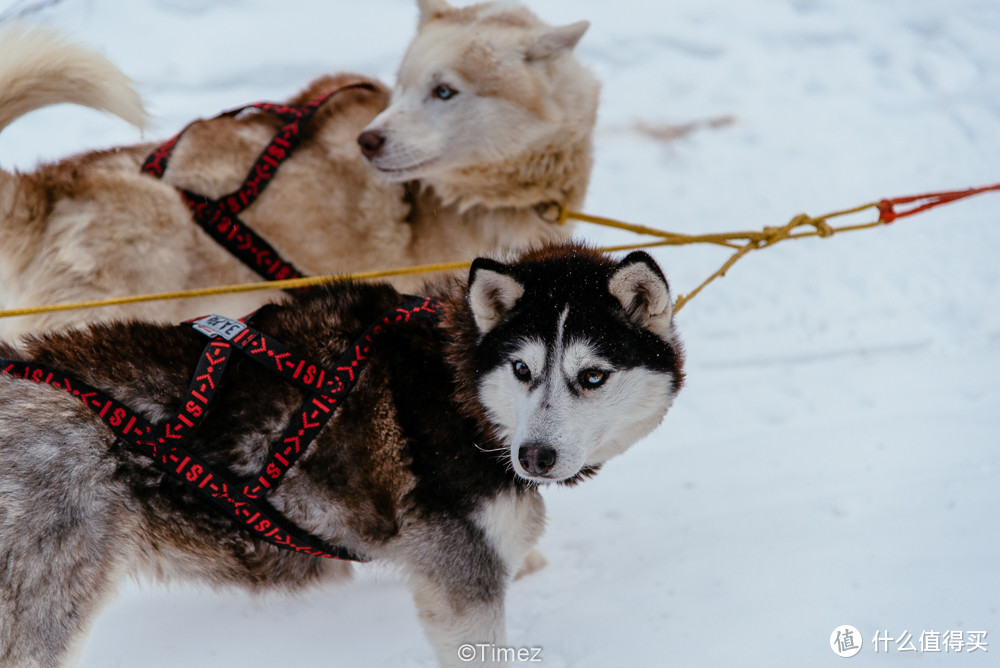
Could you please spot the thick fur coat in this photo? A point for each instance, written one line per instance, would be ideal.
(92, 226)
(415, 468)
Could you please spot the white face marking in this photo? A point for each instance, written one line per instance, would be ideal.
(542, 397)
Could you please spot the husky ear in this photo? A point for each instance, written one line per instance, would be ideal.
(492, 293)
(641, 288)
(554, 41)
(431, 8)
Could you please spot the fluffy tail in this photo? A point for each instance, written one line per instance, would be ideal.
(39, 68)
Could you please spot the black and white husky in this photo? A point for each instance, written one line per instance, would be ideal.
(535, 370)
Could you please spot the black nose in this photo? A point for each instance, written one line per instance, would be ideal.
(371, 142)
(536, 459)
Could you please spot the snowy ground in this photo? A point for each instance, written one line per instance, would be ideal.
(833, 459)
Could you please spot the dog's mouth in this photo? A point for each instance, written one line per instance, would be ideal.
(570, 480)
(539, 479)
(402, 173)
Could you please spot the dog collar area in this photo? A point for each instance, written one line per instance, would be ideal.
(243, 501)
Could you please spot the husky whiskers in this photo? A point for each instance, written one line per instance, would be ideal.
(486, 133)
(537, 370)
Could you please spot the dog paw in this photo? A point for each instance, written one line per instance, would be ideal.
(535, 561)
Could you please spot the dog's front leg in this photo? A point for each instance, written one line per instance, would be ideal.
(462, 573)
(464, 625)
(459, 581)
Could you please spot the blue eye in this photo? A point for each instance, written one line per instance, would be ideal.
(444, 92)
(590, 379)
(521, 371)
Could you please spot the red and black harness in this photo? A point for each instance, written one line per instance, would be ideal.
(243, 501)
(220, 217)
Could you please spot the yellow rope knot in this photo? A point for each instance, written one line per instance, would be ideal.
(772, 235)
(822, 227)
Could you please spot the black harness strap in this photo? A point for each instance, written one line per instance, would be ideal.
(219, 217)
(242, 502)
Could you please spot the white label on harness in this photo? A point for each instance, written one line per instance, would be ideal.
(217, 325)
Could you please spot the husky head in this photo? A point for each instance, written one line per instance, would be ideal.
(577, 356)
(478, 86)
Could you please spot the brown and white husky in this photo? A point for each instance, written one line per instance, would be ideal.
(431, 464)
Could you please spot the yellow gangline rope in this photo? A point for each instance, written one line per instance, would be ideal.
(286, 284)
(741, 242)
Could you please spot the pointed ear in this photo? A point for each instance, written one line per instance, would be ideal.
(431, 8)
(554, 41)
(641, 288)
(492, 293)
